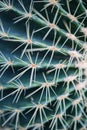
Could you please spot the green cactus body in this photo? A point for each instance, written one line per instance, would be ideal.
(43, 65)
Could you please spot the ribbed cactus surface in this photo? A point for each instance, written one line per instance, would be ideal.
(43, 65)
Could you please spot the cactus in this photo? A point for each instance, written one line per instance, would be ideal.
(43, 65)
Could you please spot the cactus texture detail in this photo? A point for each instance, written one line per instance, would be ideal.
(43, 65)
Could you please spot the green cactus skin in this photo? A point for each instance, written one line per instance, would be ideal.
(43, 65)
